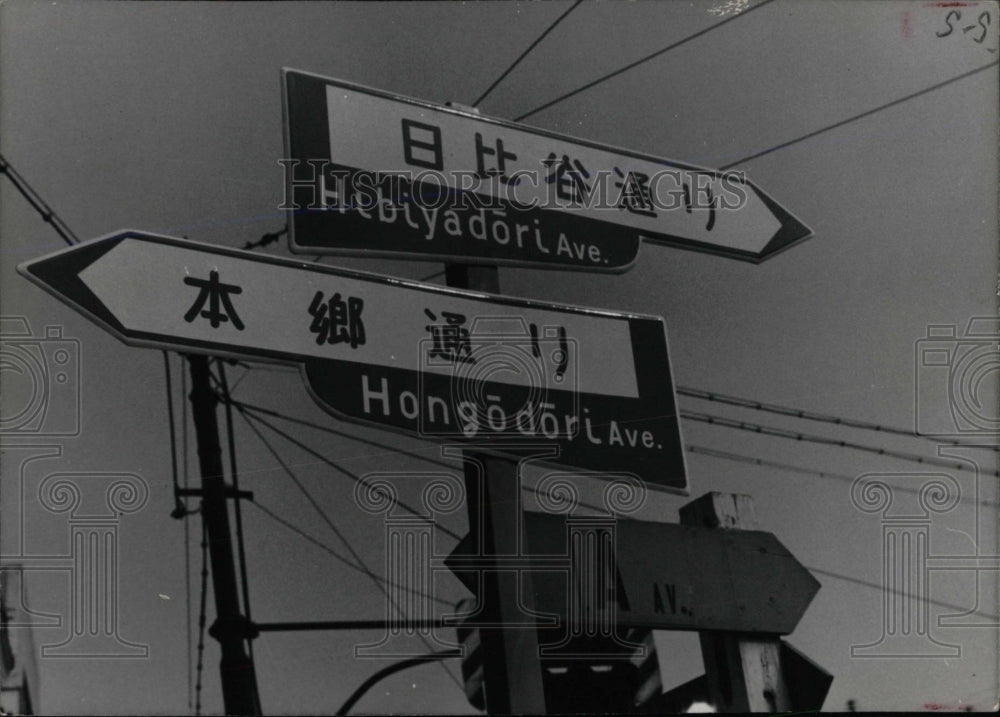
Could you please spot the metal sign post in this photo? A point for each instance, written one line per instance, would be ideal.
(512, 673)
(744, 672)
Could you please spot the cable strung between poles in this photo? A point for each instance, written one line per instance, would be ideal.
(868, 113)
(823, 440)
(524, 54)
(638, 62)
(821, 417)
(375, 578)
(33, 198)
(346, 561)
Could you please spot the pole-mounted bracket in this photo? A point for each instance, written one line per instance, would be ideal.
(238, 628)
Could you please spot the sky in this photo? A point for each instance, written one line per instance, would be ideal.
(167, 118)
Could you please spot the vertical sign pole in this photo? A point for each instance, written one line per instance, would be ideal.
(744, 674)
(239, 683)
(511, 668)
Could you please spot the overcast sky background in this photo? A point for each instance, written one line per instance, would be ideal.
(167, 118)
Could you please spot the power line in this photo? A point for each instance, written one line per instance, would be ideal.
(376, 444)
(882, 588)
(343, 539)
(327, 549)
(820, 417)
(822, 440)
(358, 562)
(638, 62)
(339, 468)
(33, 198)
(701, 417)
(343, 434)
(764, 463)
(841, 123)
(524, 54)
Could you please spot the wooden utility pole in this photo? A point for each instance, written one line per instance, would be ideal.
(511, 667)
(231, 628)
(743, 672)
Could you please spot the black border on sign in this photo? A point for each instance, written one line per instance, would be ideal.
(792, 230)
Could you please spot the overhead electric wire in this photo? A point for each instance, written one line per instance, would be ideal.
(862, 115)
(388, 449)
(698, 393)
(33, 198)
(524, 54)
(339, 468)
(640, 61)
(343, 539)
(358, 562)
(380, 583)
(343, 434)
(823, 440)
(822, 417)
(765, 463)
(346, 561)
(882, 588)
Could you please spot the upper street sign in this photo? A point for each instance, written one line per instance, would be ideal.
(372, 172)
(442, 363)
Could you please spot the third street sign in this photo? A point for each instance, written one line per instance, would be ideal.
(372, 172)
(667, 576)
(432, 361)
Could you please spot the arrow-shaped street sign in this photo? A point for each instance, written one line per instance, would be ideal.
(428, 360)
(664, 575)
(373, 172)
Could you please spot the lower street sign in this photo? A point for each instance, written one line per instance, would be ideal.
(661, 576)
(432, 361)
